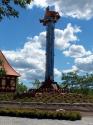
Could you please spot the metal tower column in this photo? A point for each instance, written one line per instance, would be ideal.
(49, 74)
(50, 18)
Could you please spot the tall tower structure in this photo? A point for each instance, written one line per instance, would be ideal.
(50, 18)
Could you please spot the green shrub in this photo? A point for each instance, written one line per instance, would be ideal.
(41, 114)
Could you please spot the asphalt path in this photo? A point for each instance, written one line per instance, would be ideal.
(26, 121)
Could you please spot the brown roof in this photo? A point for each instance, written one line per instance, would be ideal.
(8, 68)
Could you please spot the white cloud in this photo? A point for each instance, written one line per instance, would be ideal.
(30, 60)
(73, 69)
(81, 9)
(76, 51)
(85, 63)
(63, 38)
(83, 59)
(41, 3)
(57, 73)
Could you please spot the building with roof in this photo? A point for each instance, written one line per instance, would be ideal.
(8, 76)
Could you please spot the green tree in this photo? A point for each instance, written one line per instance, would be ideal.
(69, 79)
(36, 84)
(7, 7)
(2, 69)
(20, 88)
(86, 83)
(76, 83)
(2, 72)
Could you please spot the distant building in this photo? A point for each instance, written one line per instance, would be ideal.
(8, 76)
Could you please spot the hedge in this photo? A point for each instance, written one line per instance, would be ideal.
(41, 114)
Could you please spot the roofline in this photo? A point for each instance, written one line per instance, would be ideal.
(10, 66)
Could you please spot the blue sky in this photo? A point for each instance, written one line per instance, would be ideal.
(22, 39)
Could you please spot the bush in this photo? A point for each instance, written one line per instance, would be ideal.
(6, 96)
(41, 114)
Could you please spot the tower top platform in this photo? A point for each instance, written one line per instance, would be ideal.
(50, 16)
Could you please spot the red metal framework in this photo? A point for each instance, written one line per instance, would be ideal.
(50, 16)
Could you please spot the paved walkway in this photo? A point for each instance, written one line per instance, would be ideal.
(25, 121)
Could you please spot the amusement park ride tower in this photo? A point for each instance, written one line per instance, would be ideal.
(50, 18)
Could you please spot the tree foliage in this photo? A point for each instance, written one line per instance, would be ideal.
(7, 7)
(20, 88)
(36, 84)
(2, 69)
(73, 81)
(69, 79)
